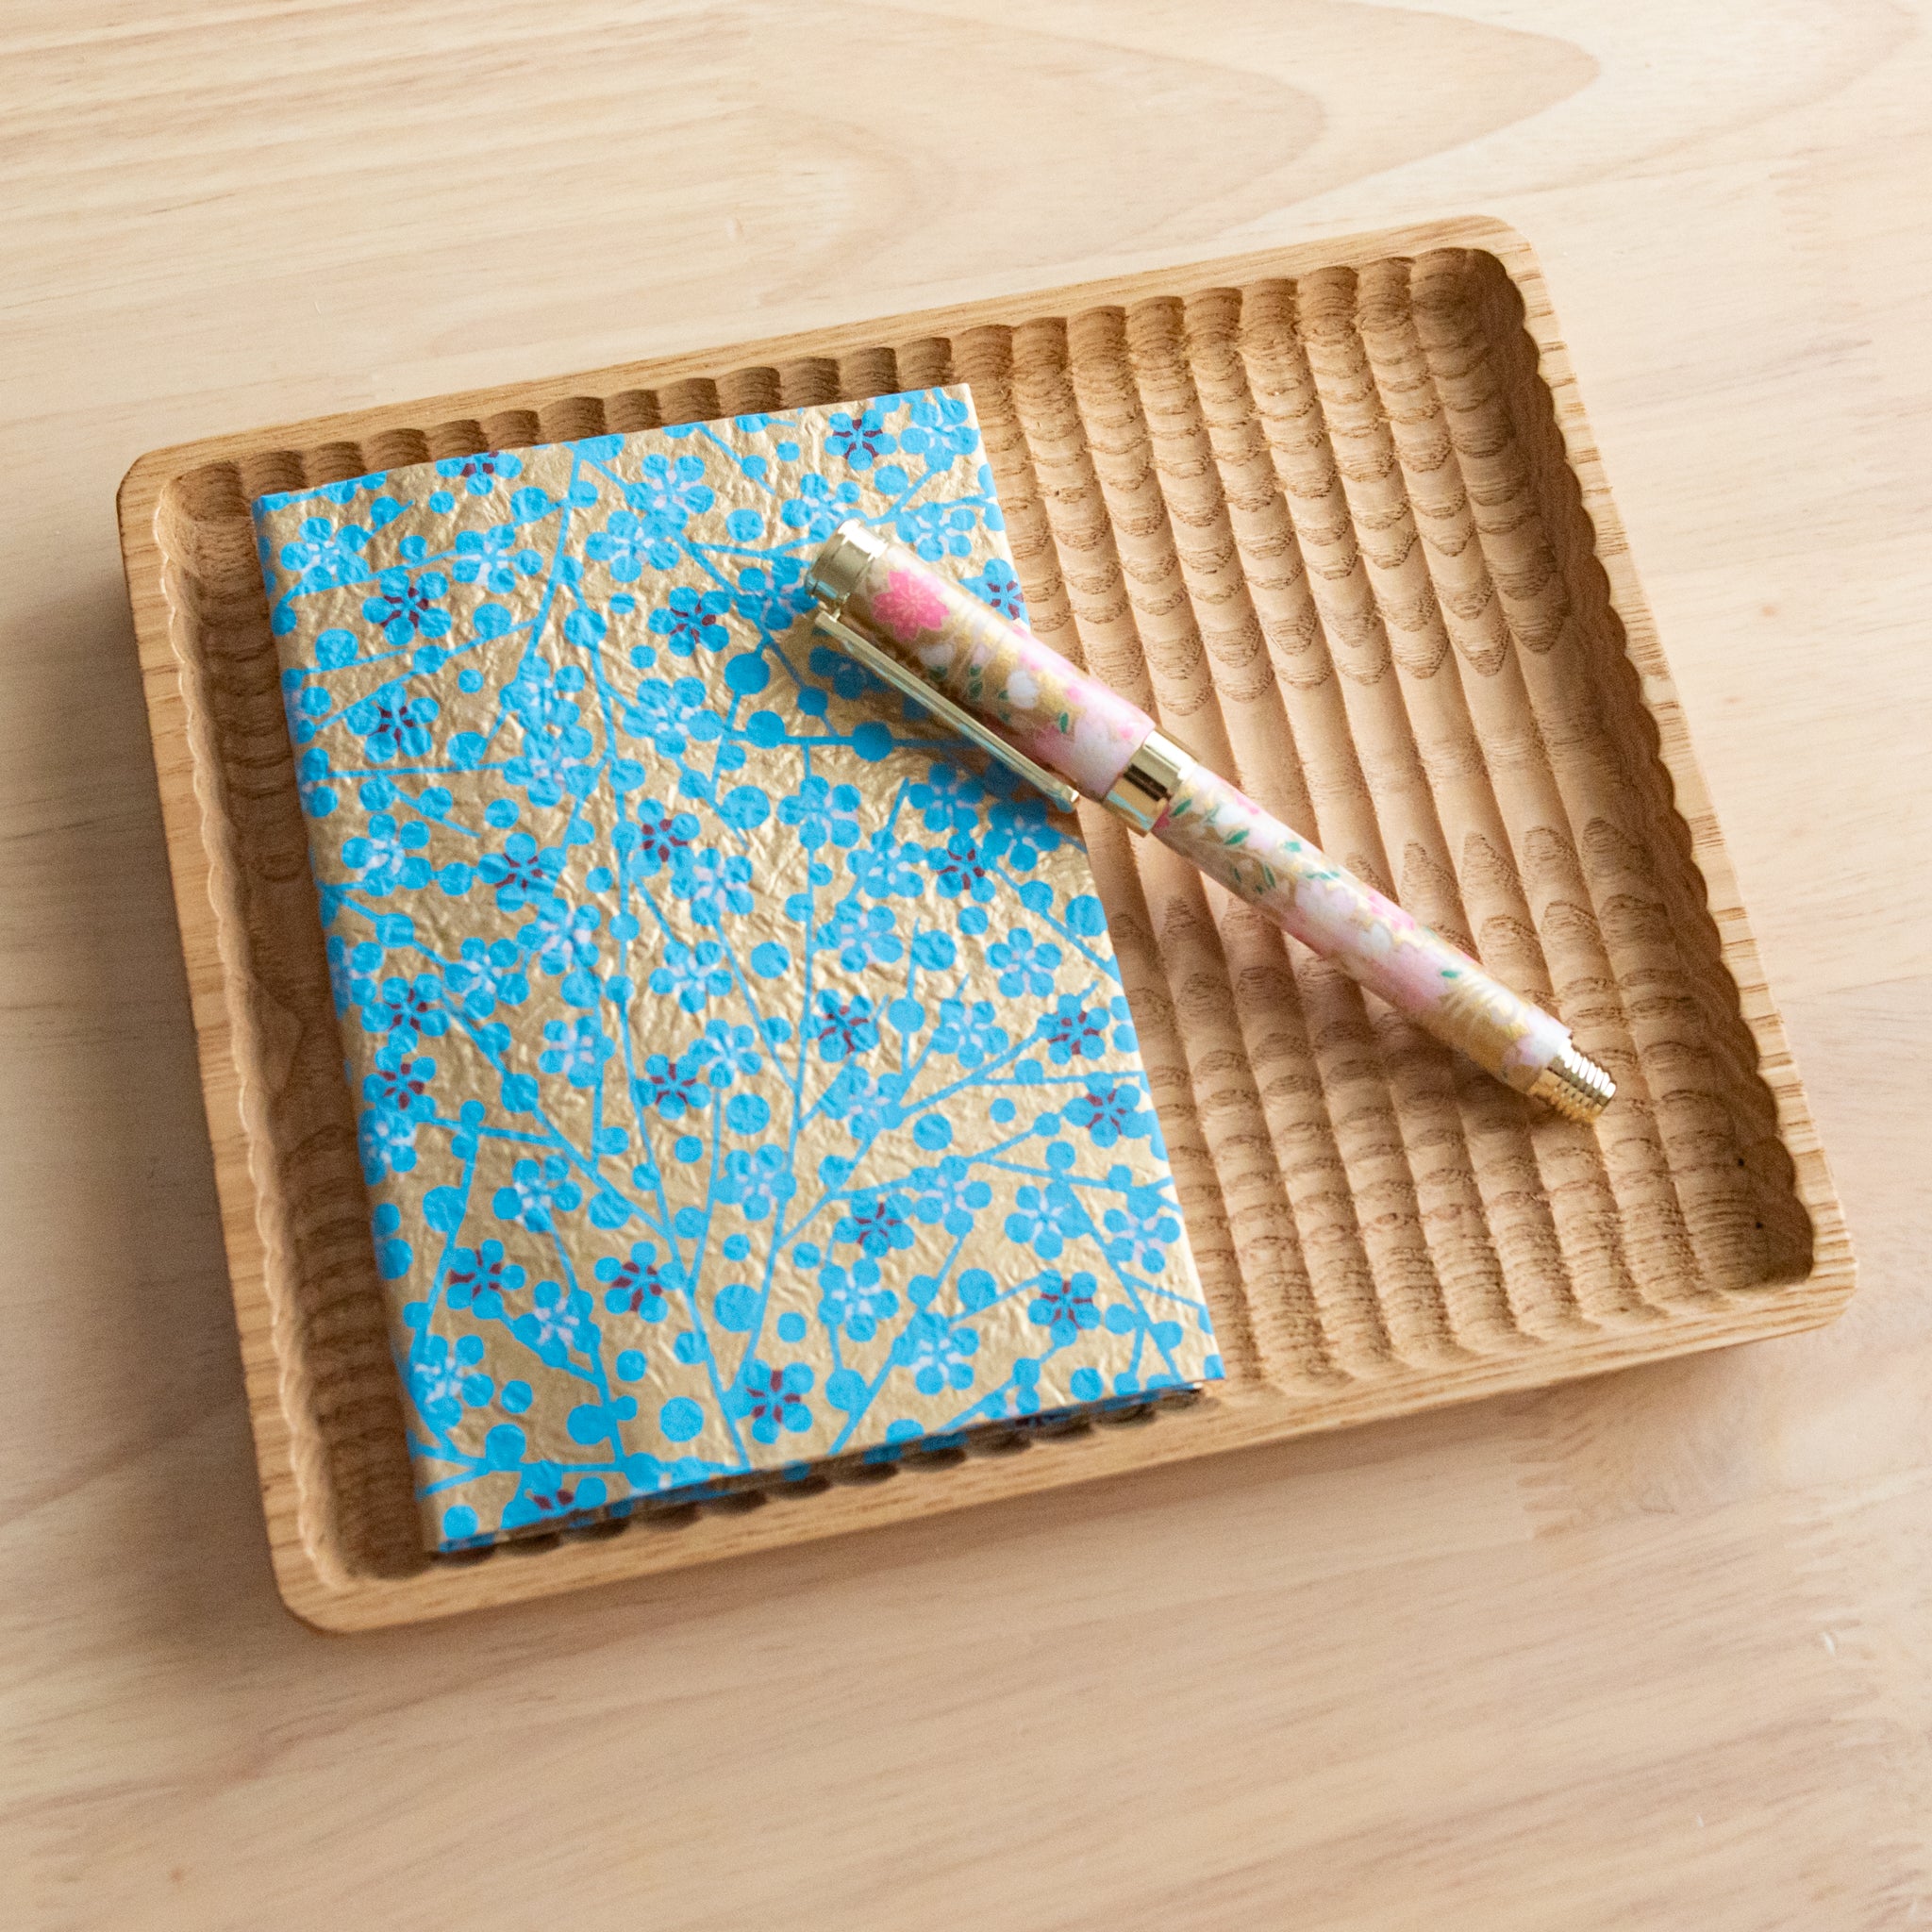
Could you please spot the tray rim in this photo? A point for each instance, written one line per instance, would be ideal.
(333, 1599)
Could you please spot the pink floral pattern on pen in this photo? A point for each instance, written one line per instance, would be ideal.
(1078, 726)
(909, 606)
(1070, 723)
(1391, 952)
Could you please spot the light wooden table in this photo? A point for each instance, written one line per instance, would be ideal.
(1654, 1653)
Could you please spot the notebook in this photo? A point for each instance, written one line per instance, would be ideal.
(743, 1072)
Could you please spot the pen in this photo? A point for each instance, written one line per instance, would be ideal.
(996, 684)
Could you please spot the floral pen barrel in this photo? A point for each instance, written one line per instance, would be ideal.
(1113, 752)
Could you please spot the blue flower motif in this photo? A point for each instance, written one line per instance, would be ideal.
(948, 1194)
(444, 1380)
(578, 1052)
(998, 586)
(641, 1285)
(936, 529)
(756, 1180)
(537, 1192)
(663, 837)
(1048, 1219)
(1072, 1029)
(547, 698)
(549, 763)
(1026, 965)
(624, 545)
(878, 1110)
(960, 870)
(694, 973)
(391, 725)
(558, 1326)
(971, 1034)
(388, 857)
(480, 1277)
(884, 867)
(486, 975)
(689, 620)
(724, 1051)
(401, 1081)
(1109, 1109)
(521, 872)
(867, 1106)
(1141, 1228)
(407, 607)
(668, 495)
(862, 443)
(940, 428)
(948, 800)
(1064, 1305)
(350, 971)
(303, 707)
(314, 783)
(861, 936)
(713, 884)
(387, 1142)
(406, 1009)
(853, 1299)
(672, 714)
(823, 813)
(842, 1028)
(482, 472)
(876, 1222)
(770, 1399)
(772, 597)
(939, 1352)
(816, 511)
(673, 1087)
(495, 558)
(559, 936)
(554, 744)
(326, 555)
(1022, 832)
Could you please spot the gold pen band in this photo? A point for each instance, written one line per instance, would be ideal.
(1146, 787)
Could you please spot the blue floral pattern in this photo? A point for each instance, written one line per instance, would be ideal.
(743, 1072)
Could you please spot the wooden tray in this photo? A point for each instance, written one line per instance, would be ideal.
(1335, 514)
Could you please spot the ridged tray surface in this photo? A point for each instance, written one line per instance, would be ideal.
(1334, 517)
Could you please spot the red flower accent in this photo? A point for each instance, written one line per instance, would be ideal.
(907, 606)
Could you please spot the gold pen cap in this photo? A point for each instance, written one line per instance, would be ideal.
(835, 571)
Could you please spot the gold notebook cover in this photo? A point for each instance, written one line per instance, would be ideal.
(743, 1073)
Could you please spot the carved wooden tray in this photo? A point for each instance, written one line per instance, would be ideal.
(1335, 514)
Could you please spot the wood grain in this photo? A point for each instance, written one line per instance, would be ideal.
(1403, 430)
(1649, 1649)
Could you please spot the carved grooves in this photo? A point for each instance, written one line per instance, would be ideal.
(1328, 533)
(1300, 524)
(1479, 308)
(329, 1336)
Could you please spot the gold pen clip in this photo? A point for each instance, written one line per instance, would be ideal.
(908, 683)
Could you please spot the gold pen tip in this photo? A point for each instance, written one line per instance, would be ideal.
(1577, 1087)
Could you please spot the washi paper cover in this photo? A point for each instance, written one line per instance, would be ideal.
(742, 1070)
